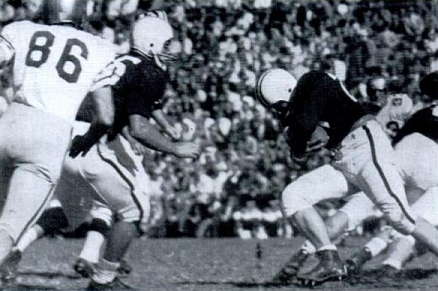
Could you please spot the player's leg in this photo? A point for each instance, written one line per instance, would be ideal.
(119, 189)
(52, 220)
(7, 167)
(298, 200)
(401, 250)
(404, 246)
(357, 208)
(37, 157)
(381, 181)
(13, 223)
(123, 232)
(99, 228)
(371, 249)
(416, 157)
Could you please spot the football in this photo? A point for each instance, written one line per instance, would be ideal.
(318, 139)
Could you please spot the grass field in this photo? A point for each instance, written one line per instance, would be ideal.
(210, 264)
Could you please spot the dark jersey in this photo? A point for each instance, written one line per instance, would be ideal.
(139, 90)
(319, 97)
(424, 121)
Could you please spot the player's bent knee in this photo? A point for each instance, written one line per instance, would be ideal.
(295, 199)
(400, 222)
(52, 220)
(102, 212)
(100, 226)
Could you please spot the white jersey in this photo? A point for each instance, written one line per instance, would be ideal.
(55, 65)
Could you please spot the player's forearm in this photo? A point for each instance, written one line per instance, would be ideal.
(95, 132)
(161, 119)
(149, 136)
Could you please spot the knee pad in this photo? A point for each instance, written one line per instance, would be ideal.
(102, 212)
(100, 226)
(52, 220)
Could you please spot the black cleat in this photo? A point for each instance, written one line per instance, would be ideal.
(125, 269)
(116, 284)
(389, 271)
(9, 268)
(287, 274)
(329, 268)
(84, 268)
(355, 263)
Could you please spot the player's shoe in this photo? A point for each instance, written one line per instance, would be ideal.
(84, 268)
(355, 263)
(389, 271)
(116, 284)
(287, 274)
(125, 269)
(330, 267)
(9, 268)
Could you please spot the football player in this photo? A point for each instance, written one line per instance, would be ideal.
(54, 67)
(137, 94)
(111, 169)
(363, 161)
(416, 153)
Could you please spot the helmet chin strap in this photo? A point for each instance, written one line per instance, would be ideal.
(159, 62)
(157, 57)
(281, 109)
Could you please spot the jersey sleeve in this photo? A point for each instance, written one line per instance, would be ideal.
(109, 76)
(111, 71)
(308, 101)
(10, 40)
(143, 91)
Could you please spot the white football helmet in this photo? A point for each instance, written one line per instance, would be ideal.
(275, 85)
(151, 33)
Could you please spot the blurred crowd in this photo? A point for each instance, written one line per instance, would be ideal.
(376, 47)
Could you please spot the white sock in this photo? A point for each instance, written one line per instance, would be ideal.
(327, 247)
(106, 272)
(308, 247)
(29, 237)
(92, 246)
(376, 245)
(393, 263)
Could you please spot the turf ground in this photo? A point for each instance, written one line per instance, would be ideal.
(210, 264)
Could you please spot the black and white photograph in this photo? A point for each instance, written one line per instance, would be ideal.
(219, 145)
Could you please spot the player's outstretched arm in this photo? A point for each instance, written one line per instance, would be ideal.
(103, 119)
(137, 147)
(162, 121)
(142, 130)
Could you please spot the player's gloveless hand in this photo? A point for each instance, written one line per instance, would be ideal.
(80, 145)
(188, 150)
(137, 147)
(173, 133)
